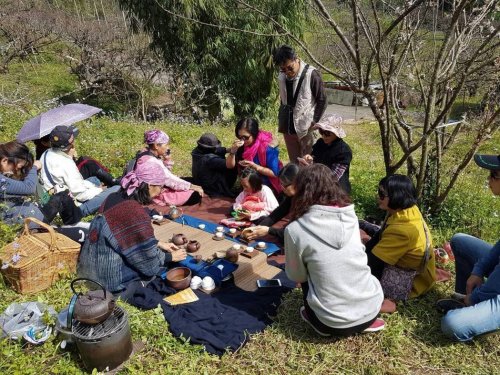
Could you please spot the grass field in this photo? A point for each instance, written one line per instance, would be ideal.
(411, 343)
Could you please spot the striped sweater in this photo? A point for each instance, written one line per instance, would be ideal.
(121, 246)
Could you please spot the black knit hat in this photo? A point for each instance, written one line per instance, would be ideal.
(208, 141)
(491, 162)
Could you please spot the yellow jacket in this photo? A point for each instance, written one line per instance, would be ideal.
(402, 244)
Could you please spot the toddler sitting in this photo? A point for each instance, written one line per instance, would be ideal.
(256, 200)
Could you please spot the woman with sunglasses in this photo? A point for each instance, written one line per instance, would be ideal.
(176, 191)
(331, 150)
(18, 179)
(254, 149)
(404, 236)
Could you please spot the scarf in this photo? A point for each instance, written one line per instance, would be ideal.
(146, 170)
(259, 148)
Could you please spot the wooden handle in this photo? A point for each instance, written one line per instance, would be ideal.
(53, 235)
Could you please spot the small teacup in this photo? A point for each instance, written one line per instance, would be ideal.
(236, 246)
(208, 283)
(232, 230)
(261, 245)
(201, 226)
(220, 229)
(195, 282)
(249, 249)
(219, 234)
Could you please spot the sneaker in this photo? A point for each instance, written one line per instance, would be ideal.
(377, 325)
(305, 318)
(447, 304)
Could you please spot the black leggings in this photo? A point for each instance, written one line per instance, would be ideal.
(324, 328)
(195, 198)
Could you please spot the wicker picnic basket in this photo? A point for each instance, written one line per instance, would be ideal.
(35, 261)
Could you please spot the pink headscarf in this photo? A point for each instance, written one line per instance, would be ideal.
(146, 170)
(259, 148)
(155, 136)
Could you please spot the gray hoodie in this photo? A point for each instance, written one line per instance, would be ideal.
(323, 247)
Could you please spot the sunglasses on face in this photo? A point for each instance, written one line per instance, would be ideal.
(168, 152)
(244, 137)
(325, 133)
(381, 194)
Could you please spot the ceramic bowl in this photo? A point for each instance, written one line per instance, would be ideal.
(179, 278)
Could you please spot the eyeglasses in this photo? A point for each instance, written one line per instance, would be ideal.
(289, 68)
(168, 152)
(244, 137)
(325, 132)
(493, 175)
(381, 194)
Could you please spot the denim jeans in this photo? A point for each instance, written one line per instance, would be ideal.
(92, 205)
(466, 323)
(467, 250)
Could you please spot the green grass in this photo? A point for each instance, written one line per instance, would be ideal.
(412, 342)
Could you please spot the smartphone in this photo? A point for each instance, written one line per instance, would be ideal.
(268, 283)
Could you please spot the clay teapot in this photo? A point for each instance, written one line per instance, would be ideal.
(92, 307)
(193, 246)
(179, 239)
(232, 255)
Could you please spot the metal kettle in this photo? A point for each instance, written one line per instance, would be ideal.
(93, 307)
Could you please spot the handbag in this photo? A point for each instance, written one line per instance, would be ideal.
(397, 282)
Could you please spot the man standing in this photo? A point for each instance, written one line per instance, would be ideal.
(303, 102)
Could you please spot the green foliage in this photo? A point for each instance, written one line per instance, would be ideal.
(225, 63)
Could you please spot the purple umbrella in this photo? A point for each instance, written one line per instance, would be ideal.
(43, 124)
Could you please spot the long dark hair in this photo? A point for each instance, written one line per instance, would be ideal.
(16, 152)
(250, 124)
(400, 190)
(315, 184)
(288, 174)
(141, 194)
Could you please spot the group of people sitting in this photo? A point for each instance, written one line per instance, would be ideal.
(346, 279)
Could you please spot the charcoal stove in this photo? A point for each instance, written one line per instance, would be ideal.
(106, 345)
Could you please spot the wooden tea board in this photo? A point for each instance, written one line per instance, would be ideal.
(249, 269)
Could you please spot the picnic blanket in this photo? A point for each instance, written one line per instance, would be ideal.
(220, 322)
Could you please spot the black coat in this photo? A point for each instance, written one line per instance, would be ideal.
(210, 172)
